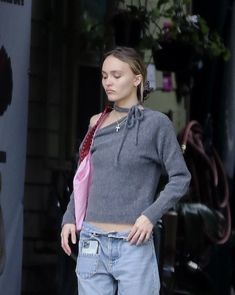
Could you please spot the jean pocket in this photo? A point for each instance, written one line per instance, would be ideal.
(87, 263)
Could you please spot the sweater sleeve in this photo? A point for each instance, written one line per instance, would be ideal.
(69, 215)
(179, 177)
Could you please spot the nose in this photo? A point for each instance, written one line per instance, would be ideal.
(108, 81)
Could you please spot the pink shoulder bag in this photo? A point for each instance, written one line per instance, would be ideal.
(82, 178)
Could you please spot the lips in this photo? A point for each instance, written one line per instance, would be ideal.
(109, 91)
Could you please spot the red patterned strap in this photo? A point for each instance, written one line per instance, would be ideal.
(86, 144)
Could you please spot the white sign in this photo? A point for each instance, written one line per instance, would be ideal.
(15, 27)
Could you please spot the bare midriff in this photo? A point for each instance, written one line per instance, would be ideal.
(112, 227)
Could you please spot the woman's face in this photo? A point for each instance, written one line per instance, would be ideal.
(118, 80)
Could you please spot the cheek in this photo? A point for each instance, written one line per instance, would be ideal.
(126, 85)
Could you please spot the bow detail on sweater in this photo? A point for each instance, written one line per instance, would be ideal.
(134, 117)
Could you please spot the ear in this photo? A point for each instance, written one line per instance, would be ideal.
(137, 80)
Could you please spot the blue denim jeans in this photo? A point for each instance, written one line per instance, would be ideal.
(107, 263)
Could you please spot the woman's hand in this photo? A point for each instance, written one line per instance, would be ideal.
(141, 231)
(67, 230)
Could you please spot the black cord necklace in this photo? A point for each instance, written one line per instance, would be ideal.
(120, 109)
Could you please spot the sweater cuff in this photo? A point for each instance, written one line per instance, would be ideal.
(68, 218)
(69, 215)
(151, 215)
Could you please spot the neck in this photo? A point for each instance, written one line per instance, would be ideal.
(120, 109)
(126, 104)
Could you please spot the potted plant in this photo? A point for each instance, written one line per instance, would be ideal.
(183, 38)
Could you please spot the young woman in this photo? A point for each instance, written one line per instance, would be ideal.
(131, 148)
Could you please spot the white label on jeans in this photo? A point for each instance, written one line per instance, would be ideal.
(90, 247)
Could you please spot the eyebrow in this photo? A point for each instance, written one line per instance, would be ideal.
(113, 72)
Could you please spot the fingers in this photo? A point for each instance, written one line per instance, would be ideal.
(138, 236)
(133, 235)
(67, 230)
(147, 237)
(73, 236)
(141, 231)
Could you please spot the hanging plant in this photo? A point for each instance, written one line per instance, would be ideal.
(184, 37)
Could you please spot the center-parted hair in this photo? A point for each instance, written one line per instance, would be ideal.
(133, 59)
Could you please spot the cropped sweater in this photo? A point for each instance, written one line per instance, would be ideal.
(127, 166)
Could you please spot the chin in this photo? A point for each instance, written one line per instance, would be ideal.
(113, 99)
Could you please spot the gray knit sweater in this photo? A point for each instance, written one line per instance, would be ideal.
(126, 169)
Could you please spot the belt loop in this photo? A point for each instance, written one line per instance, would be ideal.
(95, 234)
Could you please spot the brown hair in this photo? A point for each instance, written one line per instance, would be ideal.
(130, 56)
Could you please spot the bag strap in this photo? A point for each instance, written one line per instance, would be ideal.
(86, 144)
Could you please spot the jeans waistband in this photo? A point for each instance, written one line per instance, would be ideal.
(97, 231)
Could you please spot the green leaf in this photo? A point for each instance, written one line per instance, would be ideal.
(161, 2)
